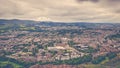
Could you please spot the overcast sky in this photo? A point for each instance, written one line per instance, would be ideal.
(62, 10)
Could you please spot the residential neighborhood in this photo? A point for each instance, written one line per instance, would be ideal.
(49, 43)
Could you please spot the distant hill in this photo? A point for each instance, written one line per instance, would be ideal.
(48, 23)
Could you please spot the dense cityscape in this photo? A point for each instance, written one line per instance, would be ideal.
(37, 44)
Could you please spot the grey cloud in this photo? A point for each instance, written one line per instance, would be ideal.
(112, 5)
(114, 0)
(88, 0)
(61, 10)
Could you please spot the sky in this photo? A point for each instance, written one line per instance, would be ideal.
(62, 10)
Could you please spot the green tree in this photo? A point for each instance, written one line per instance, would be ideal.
(8, 66)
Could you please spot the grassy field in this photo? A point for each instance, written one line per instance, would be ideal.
(3, 64)
(105, 61)
(94, 66)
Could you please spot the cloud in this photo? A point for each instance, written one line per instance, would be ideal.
(88, 0)
(61, 10)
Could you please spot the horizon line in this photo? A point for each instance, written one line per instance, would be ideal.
(64, 21)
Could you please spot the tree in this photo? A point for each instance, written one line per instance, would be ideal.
(98, 59)
(8, 66)
(111, 55)
(71, 43)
